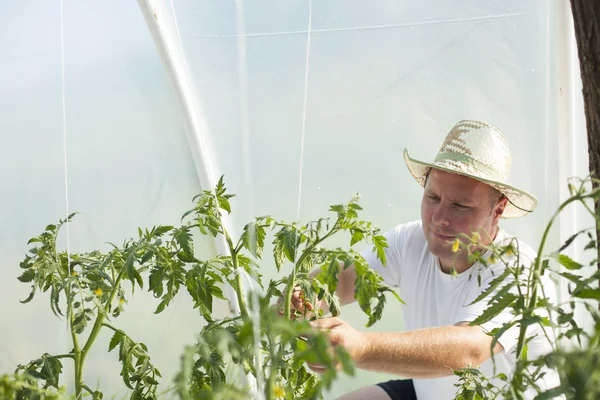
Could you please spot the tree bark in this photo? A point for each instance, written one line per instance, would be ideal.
(586, 18)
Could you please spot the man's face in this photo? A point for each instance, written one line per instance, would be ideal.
(453, 204)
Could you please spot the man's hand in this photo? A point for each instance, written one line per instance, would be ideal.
(299, 305)
(340, 333)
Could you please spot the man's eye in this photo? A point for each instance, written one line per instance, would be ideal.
(461, 206)
(432, 197)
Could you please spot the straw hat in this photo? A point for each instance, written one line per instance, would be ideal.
(480, 151)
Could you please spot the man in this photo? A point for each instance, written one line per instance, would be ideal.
(465, 192)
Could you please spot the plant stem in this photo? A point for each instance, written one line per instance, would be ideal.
(292, 280)
(88, 389)
(112, 327)
(76, 349)
(288, 294)
(273, 369)
(238, 289)
(71, 356)
(238, 277)
(79, 360)
(232, 250)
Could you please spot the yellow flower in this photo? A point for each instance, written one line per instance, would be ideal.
(98, 292)
(121, 301)
(455, 245)
(509, 251)
(475, 237)
(74, 273)
(491, 259)
(278, 392)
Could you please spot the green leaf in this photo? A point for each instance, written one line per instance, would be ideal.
(564, 318)
(492, 286)
(82, 317)
(253, 238)
(568, 263)
(378, 309)
(176, 278)
(184, 239)
(129, 269)
(553, 393)
(156, 280)
(30, 297)
(224, 204)
(354, 206)
(70, 216)
(380, 244)
(27, 276)
(54, 299)
(286, 242)
(161, 230)
(571, 277)
(51, 369)
(166, 299)
(535, 319)
(357, 236)
(338, 208)
(278, 255)
(147, 256)
(345, 360)
(498, 332)
(495, 308)
(26, 263)
(139, 279)
(571, 239)
(116, 339)
(331, 274)
(587, 293)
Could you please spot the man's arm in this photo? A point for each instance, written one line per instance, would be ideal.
(346, 284)
(423, 353)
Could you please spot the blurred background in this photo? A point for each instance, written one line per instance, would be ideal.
(123, 111)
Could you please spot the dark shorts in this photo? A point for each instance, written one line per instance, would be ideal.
(399, 389)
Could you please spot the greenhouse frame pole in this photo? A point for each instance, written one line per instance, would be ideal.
(160, 22)
(571, 134)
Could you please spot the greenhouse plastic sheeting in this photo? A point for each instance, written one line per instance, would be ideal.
(304, 103)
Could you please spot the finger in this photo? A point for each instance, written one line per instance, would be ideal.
(326, 323)
(318, 368)
(297, 302)
(308, 305)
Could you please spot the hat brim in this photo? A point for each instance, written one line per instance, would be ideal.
(520, 203)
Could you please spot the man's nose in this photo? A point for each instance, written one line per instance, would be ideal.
(440, 216)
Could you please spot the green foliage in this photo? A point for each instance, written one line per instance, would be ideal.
(520, 291)
(475, 386)
(260, 343)
(23, 386)
(45, 368)
(138, 373)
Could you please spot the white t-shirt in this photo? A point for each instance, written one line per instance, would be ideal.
(434, 298)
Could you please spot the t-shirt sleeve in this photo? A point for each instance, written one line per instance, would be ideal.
(469, 312)
(397, 238)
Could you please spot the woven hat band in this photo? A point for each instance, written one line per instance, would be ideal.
(469, 161)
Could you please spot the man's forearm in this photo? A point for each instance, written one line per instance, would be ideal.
(425, 353)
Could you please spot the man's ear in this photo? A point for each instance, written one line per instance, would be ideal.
(500, 206)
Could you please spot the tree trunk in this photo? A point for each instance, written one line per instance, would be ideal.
(586, 18)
